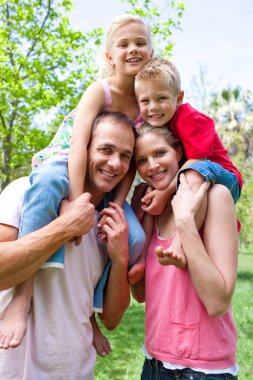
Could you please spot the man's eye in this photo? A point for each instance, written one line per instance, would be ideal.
(106, 150)
(126, 156)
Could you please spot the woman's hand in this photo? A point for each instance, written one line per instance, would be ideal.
(186, 203)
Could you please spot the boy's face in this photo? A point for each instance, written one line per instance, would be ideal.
(156, 101)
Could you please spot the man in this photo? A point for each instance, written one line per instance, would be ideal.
(58, 342)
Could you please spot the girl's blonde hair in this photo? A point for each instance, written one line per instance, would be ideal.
(105, 68)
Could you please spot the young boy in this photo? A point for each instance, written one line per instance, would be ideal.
(160, 98)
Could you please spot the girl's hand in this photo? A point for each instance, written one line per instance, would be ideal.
(136, 203)
(155, 202)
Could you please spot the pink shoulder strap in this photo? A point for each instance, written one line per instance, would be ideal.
(108, 95)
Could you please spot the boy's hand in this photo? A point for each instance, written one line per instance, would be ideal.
(155, 202)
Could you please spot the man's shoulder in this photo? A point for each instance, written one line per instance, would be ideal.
(11, 201)
(18, 185)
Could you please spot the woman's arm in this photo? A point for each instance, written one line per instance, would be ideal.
(212, 263)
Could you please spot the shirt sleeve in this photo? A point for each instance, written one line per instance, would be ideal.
(197, 133)
(11, 202)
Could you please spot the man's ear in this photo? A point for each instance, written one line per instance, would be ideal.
(180, 98)
(109, 58)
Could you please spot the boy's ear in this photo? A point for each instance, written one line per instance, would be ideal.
(180, 98)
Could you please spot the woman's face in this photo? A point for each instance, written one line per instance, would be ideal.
(156, 160)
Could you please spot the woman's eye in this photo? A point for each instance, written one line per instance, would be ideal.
(160, 153)
(140, 161)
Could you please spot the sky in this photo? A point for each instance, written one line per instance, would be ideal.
(216, 34)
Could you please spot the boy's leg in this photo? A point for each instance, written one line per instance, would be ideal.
(100, 342)
(13, 323)
(215, 173)
(49, 185)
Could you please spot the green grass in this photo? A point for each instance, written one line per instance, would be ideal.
(125, 361)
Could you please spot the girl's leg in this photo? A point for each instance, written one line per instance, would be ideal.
(14, 321)
(49, 185)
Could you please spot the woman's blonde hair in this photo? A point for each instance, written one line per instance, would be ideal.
(105, 68)
(164, 132)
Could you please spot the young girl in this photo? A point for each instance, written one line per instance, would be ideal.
(128, 49)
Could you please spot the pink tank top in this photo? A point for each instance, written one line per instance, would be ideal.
(178, 328)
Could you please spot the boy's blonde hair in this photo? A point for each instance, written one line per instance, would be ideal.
(105, 68)
(163, 70)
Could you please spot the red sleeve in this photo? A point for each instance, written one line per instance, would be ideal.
(196, 132)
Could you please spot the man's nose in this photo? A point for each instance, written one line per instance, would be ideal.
(114, 161)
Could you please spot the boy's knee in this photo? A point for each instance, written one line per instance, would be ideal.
(220, 192)
(193, 178)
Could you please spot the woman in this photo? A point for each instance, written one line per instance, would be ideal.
(190, 333)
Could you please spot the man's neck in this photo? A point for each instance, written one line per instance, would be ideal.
(96, 196)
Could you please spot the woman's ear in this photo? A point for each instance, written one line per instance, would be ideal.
(179, 151)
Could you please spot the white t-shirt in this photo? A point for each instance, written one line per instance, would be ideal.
(58, 342)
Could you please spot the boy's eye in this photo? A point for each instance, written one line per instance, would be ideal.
(161, 98)
(144, 101)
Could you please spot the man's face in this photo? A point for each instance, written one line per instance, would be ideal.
(109, 156)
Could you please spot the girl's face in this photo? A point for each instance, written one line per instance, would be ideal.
(130, 48)
(156, 160)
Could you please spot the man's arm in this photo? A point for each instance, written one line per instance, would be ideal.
(21, 258)
(117, 295)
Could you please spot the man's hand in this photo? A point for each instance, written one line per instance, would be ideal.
(116, 230)
(186, 203)
(78, 214)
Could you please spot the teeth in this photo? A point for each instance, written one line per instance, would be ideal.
(107, 173)
(133, 60)
(157, 175)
